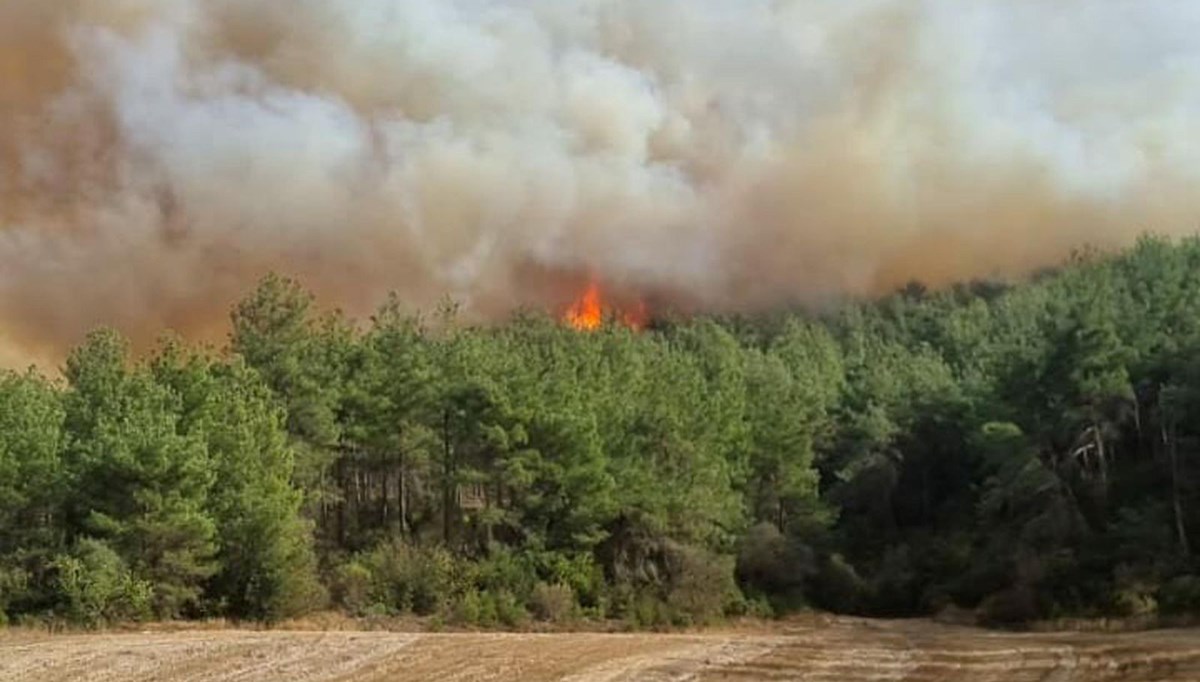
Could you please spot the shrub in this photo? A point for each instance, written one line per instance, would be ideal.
(1134, 601)
(648, 611)
(505, 571)
(683, 585)
(95, 586)
(487, 611)
(1013, 606)
(552, 603)
(768, 563)
(753, 606)
(894, 587)
(14, 583)
(578, 572)
(468, 609)
(508, 609)
(376, 611)
(701, 586)
(838, 587)
(1180, 596)
(407, 578)
(279, 583)
(352, 587)
(1133, 594)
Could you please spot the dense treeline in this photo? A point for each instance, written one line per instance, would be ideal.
(1028, 451)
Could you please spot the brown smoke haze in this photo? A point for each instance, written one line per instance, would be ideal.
(158, 156)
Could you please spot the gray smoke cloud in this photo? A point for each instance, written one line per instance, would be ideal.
(158, 156)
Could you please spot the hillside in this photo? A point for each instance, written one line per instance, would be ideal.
(1023, 451)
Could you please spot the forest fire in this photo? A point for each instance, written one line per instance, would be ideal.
(589, 311)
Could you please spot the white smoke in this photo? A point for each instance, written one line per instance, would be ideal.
(157, 156)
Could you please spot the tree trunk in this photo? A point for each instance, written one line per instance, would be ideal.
(1137, 420)
(447, 479)
(1176, 502)
(385, 510)
(340, 478)
(402, 494)
(1101, 456)
(487, 516)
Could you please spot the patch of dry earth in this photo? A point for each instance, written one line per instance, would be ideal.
(842, 649)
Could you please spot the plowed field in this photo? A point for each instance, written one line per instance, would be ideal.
(842, 650)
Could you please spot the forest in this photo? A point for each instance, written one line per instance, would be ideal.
(1023, 450)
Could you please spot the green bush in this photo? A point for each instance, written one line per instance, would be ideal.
(95, 586)
(769, 563)
(509, 610)
(648, 610)
(688, 586)
(406, 578)
(468, 609)
(1134, 601)
(488, 616)
(351, 587)
(376, 611)
(894, 586)
(578, 572)
(758, 606)
(701, 587)
(1180, 596)
(838, 587)
(1133, 593)
(505, 571)
(14, 583)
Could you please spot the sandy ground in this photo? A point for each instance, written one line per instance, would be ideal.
(843, 649)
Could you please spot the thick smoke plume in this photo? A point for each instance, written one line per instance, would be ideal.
(158, 156)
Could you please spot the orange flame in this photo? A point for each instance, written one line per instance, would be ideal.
(589, 311)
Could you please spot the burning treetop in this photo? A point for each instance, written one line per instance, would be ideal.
(589, 311)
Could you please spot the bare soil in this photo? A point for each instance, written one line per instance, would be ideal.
(831, 649)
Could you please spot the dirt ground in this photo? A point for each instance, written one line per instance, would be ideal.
(838, 649)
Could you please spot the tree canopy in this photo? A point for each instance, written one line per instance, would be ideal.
(1025, 450)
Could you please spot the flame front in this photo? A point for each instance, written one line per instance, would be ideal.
(587, 313)
(592, 308)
